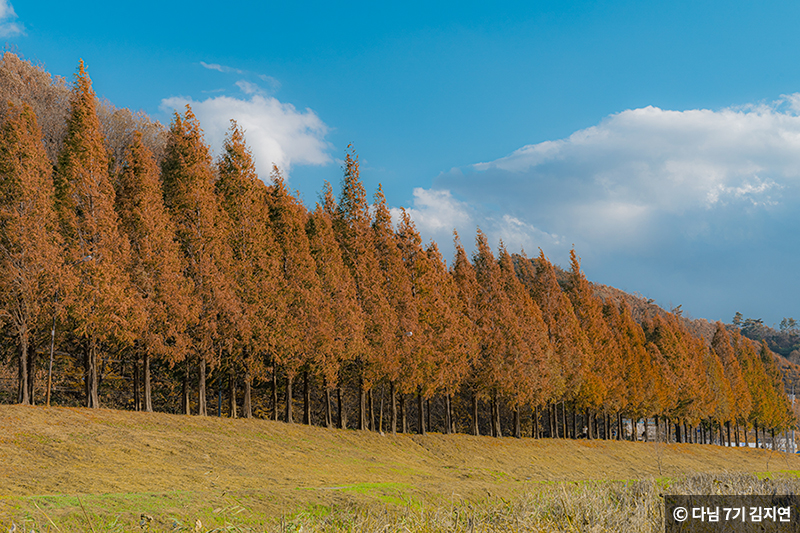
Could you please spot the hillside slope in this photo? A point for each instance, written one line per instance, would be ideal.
(125, 463)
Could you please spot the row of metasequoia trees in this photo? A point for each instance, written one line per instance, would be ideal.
(195, 267)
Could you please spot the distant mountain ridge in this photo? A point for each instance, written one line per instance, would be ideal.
(785, 345)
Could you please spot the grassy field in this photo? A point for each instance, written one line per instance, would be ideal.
(99, 470)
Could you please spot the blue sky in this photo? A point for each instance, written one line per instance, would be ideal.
(662, 139)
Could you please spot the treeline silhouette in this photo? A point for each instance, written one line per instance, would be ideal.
(139, 273)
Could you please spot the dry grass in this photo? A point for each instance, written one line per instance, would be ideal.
(66, 468)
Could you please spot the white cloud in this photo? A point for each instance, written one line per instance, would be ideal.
(276, 132)
(437, 213)
(688, 206)
(9, 26)
(641, 164)
(221, 68)
(249, 88)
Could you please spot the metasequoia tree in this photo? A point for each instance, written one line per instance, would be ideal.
(339, 293)
(505, 356)
(402, 358)
(155, 265)
(684, 356)
(256, 271)
(778, 413)
(444, 346)
(532, 363)
(576, 380)
(30, 260)
(452, 328)
(740, 395)
(352, 225)
(103, 307)
(606, 390)
(202, 233)
(466, 285)
(308, 320)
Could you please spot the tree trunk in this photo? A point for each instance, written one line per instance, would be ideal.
(275, 392)
(448, 420)
(137, 401)
(306, 400)
(564, 418)
(23, 393)
(475, 429)
(588, 425)
(93, 397)
(187, 408)
(289, 411)
(420, 412)
(393, 409)
(517, 424)
(340, 405)
(232, 392)
(535, 423)
(619, 425)
(248, 404)
(403, 414)
(362, 405)
(728, 430)
(328, 409)
(497, 423)
(370, 411)
(148, 386)
(32, 375)
(380, 414)
(202, 408)
(492, 421)
(428, 425)
(738, 436)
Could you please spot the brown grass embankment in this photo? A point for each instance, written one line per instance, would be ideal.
(122, 464)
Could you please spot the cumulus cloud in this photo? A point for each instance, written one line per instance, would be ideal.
(613, 181)
(9, 27)
(705, 198)
(436, 213)
(276, 132)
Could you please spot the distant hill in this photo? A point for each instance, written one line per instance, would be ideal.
(785, 345)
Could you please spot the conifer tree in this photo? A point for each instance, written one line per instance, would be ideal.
(466, 283)
(444, 346)
(575, 381)
(641, 376)
(30, 259)
(155, 266)
(102, 307)
(740, 394)
(684, 356)
(399, 258)
(352, 225)
(505, 356)
(531, 363)
(779, 414)
(258, 280)
(604, 385)
(202, 233)
(339, 293)
(308, 321)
